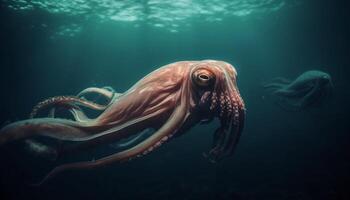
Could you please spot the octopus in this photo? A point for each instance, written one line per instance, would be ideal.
(169, 101)
(307, 90)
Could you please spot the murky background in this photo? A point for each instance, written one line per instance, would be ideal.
(50, 48)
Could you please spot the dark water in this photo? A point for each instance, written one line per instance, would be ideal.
(45, 51)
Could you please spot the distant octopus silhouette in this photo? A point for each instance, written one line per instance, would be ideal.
(169, 100)
(308, 89)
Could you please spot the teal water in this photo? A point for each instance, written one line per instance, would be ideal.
(51, 48)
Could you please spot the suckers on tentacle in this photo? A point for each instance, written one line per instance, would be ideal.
(64, 100)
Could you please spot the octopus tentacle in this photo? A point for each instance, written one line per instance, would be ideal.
(237, 121)
(214, 101)
(61, 129)
(274, 86)
(277, 83)
(163, 134)
(79, 115)
(310, 95)
(68, 130)
(232, 114)
(289, 91)
(65, 100)
(115, 131)
(77, 112)
(40, 149)
(107, 92)
(131, 142)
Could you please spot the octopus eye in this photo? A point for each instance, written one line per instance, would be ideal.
(203, 78)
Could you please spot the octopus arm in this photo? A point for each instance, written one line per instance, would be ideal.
(161, 135)
(107, 92)
(292, 92)
(311, 96)
(61, 129)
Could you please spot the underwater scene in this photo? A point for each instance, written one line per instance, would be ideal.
(175, 99)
